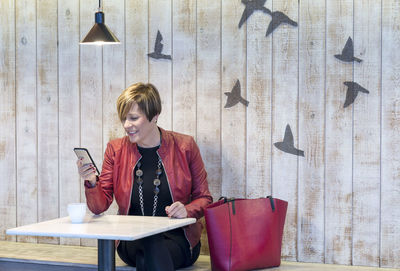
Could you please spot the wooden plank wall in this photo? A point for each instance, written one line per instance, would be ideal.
(366, 134)
(8, 191)
(311, 180)
(343, 194)
(68, 107)
(338, 139)
(390, 114)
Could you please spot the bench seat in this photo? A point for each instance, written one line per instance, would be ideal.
(16, 256)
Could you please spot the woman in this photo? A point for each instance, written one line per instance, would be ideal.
(151, 172)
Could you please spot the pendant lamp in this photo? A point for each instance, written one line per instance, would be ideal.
(99, 34)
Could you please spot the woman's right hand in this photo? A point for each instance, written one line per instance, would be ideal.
(86, 171)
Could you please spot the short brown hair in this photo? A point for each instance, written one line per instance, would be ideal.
(145, 95)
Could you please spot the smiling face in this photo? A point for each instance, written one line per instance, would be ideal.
(139, 129)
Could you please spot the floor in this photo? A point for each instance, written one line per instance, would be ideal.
(25, 256)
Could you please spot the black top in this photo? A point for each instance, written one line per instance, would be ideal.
(148, 165)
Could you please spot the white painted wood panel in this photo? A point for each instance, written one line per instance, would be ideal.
(366, 135)
(113, 72)
(136, 41)
(184, 67)
(208, 100)
(26, 110)
(233, 119)
(91, 93)
(338, 144)
(259, 89)
(390, 169)
(47, 112)
(70, 184)
(312, 46)
(285, 112)
(113, 77)
(8, 200)
(160, 70)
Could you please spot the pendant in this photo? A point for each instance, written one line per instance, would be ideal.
(156, 182)
(139, 172)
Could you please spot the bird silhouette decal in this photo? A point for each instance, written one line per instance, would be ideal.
(251, 6)
(158, 47)
(287, 145)
(352, 92)
(234, 96)
(347, 54)
(278, 18)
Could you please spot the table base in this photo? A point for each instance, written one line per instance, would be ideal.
(106, 255)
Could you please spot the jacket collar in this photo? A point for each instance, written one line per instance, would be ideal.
(165, 141)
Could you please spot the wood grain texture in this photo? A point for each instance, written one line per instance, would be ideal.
(160, 70)
(113, 78)
(136, 41)
(259, 89)
(70, 184)
(91, 89)
(47, 112)
(338, 144)
(312, 46)
(26, 101)
(184, 68)
(285, 111)
(390, 169)
(343, 195)
(208, 74)
(8, 200)
(51, 253)
(113, 72)
(78, 256)
(233, 119)
(366, 134)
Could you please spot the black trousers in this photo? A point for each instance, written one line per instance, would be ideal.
(157, 253)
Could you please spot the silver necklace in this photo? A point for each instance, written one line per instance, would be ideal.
(156, 183)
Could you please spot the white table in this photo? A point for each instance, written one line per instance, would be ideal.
(105, 228)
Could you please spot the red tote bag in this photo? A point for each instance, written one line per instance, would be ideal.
(245, 234)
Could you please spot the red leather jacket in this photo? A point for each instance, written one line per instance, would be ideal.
(184, 169)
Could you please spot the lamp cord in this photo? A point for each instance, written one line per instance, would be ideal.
(100, 8)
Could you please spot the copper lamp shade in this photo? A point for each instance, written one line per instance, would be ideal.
(100, 34)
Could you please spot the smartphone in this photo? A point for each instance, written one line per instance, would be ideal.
(87, 159)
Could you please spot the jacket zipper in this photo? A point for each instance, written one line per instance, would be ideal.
(172, 197)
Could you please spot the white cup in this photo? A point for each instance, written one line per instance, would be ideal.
(77, 212)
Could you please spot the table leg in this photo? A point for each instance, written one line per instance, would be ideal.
(106, 255)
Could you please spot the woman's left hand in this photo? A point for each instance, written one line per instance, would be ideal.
(176, 210)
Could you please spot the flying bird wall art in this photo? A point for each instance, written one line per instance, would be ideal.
(352, 91)
(278, 18)
(287, 145)
(158, 47)
(251, 6)
(347, 54)
(235, 97)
